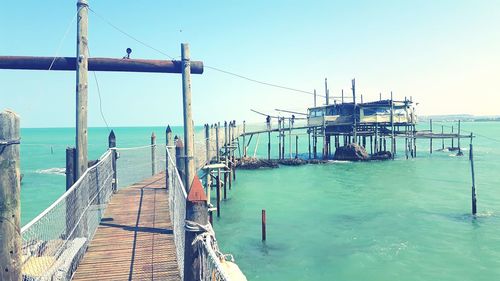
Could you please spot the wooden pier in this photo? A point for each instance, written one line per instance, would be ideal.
(135, 238)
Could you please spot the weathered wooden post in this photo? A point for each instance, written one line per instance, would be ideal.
(179, 159)
(187, 111)
(112, 147)
(244, 141)
(196, 217)
(170, 151)
(226, 162)
(10, 198)
(153, 154)
(309, 142)
(314, 97)
(430, 142)
(268, 145)
(263, 225)
(474, 200)
(460, 153)
(393, 139)
(207, 143)
(327, 94)
(452, 139)
(279, 138)
(296, 146)
(442, 139)
(70, 166)
(354, 115)
(82, 55)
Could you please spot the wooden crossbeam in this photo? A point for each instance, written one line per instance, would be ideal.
(97, 64)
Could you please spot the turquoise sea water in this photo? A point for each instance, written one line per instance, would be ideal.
(394, 220)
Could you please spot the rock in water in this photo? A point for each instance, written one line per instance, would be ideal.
(351, 152)
(381, 155)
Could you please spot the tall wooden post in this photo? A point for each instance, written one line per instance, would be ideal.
(217, 148)
(279, 138)
(10, 198)
(70, 166)
(244, 142)
(196, 214)
(207, 143)
(393, 140)
(327, 94)
(112, 147)
(82, 55)
(153, 153)
(309, 141)
(474, 200)
(296, 146)
(442, 139)
(354, 116)
(314, 97)
(225, 159)
(290, 137)
(188, 119)
(180, 159)
(430, 141)
(170, 150)
(460, 153)
(452, 139)
(268, 145)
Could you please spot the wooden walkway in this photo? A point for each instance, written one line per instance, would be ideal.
(135, 238)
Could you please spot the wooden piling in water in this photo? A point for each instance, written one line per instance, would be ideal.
(460, 153)
(430, 141)
(309, 142)
(10, 198)
(225, 159)
(153, 154)
(442, 140)
(474, 200)
(263, 225)
(296, 147)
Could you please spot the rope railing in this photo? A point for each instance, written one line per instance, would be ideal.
(55, 241)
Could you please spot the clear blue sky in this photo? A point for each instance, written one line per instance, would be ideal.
(446, 54)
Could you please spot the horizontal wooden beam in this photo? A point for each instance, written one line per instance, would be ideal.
(97, 64)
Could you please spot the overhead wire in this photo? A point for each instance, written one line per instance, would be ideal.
(206, 66)
(63, 39)
(99, 95)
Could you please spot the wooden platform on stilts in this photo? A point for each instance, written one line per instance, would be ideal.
(135, 238)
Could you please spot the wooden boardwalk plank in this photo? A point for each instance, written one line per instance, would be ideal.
(135, 238)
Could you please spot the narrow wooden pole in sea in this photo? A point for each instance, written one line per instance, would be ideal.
(153, 153)
(474, 200)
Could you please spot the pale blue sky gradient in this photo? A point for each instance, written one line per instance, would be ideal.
(446, 54)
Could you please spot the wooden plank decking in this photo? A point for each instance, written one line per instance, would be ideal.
(135, 238)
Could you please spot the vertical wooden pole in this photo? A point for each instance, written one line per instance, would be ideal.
(442, 139)
(230, 151)
(354, 114)
(180, 159)
(290, 137)
(82, 55)
(376, 138)
(244, 142)
(188, 119)
(225, 159)
(217, 192)
(393, 140)
(112, 147)
(279, 138)
(196, 212)
(263, 225)
(70, 166)
(268, 145)
(283, 138)
(217, 148)
(452, 139)
(315, 142)
(315, 98)
(474, 200)
(327, 94)
(207, 144)
(458, 140)
(296, 147)
(170, 151)
(10, 198)
(309, 142)
(430, 141)
(414, 141)
(153, 154)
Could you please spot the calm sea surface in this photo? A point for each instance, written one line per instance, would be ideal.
(394, 220)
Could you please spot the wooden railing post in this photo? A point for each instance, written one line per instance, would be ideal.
(179, 159)
(168, 150)
(112, 146)
(196, 216)
(10, 191)
(153, 154)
